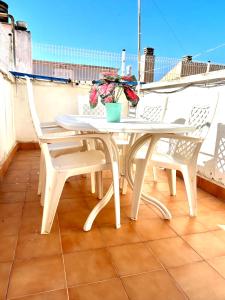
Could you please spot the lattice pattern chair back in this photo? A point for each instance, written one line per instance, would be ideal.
(153, 113)
(85, 109)
(219, 154)
(97, 111)
(152, 108)
(199, 118)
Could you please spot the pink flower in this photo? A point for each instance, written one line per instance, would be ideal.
(106, 89)
(131, 95)
(93, 97)
(109, 99)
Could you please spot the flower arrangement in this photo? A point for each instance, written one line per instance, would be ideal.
(110, 87)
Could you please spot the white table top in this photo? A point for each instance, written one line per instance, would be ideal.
(96, 124)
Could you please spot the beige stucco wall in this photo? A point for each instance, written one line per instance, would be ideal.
(7, 128)
(51, 99)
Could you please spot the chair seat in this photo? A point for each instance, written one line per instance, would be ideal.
(63, 146)
(90, 159)
(167, 161)
(159, 159)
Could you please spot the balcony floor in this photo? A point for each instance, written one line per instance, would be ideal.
(148, 259)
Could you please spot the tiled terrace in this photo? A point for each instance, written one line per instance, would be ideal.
(149, 259)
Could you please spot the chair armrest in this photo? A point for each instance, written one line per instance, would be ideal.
(180, 137)
(49, 139)
(110, 147)
(49, 124)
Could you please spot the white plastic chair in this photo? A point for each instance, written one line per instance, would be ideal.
(60, 168)
(182, 155)
(152, 107)
(51, 129)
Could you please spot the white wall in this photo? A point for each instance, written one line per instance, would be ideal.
(7, 128)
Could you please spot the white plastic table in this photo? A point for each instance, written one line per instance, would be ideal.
(138, 126)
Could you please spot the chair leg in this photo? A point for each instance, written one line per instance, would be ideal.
(154, 173)
(191, 189)
(116, 187)
(92, 182)
(124, 186)
(99, 184)
(138, 183)
(53, 193)
(171, 175)
(41, 174)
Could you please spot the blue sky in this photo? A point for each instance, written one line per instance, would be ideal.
(174, 28)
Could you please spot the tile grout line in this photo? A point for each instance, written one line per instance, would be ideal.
(13, 261)
(165, 269)
(63, 260)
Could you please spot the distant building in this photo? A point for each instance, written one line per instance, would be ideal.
(77, 72)
(187, 67)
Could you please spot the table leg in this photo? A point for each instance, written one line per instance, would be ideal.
(136, 182)
(113, 156)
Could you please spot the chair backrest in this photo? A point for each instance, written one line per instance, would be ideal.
(201, 118)
(85, 109)
(32, 107)
(219, 154)
(151, 108)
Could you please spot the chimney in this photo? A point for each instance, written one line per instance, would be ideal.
(147, 65)
(187, 58)
(4, 10)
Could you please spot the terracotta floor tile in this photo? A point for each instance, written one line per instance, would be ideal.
(220, 234)
(212, 221)
(32, 195)
(37, 245)
(88, 266)
(108, 290)
(124, 235)
(33, 225)
(68, 205)
(107, 217)
(17, 165)
(207, 244)
(12, 197)
(13, 187)
(213, 203)
(32, 209)
(4, 278)
(9, 226)
(132, 259)
(178, 208)
(154, 285)
(16, 177)
(126, 199)
(7, 248)
(153, 229)
(76, 240)
(173, 252)
(36, 275)
(11, 209)
(74, 219)
(144, 212)
(199, 281)
(55, 295)
(186, 225)
(218, 263)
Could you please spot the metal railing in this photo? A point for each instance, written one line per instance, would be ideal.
(86, 64)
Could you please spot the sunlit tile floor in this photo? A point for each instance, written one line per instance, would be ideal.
(148, 259)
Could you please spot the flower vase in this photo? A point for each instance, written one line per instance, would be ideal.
(113, 112)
